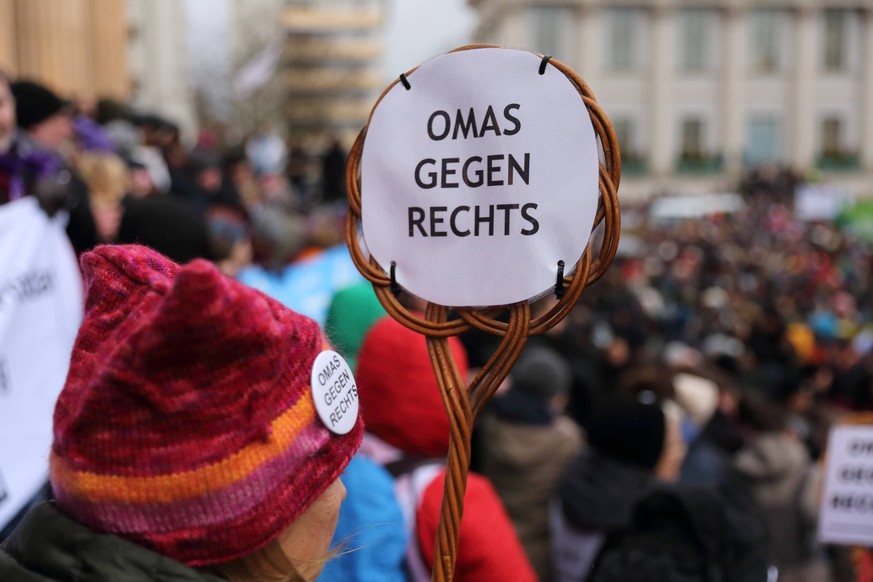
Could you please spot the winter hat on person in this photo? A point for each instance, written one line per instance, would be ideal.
(628, 431)
(351, 314)
(187, 423)
(34, 103)
(540, 371)
(400, 399)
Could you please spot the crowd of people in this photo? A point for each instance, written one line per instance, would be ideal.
(126, 176)
(751, 330)
(670, 428)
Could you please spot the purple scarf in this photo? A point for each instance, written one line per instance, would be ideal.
(22, 163)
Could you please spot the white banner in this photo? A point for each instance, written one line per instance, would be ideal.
(40, 312)
(847, 502)
(259, 70)
(478, 179)
(820, 201)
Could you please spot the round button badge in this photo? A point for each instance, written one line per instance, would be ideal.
(335, 392)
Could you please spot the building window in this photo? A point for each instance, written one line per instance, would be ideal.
(696, 38)
(831, 137)
(835, 39)
(692, 139)
(632, 160)
(835, 153)
(624, 132)
(763, 146)
(766, 40)
(623, 35)
(552, 33)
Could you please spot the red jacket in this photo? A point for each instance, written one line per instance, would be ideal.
(488, 548)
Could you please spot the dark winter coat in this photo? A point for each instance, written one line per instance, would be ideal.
(598, 494)
(786, 485)
(49, 546)
(595, 499)
(524, 462)
(686, 534)
(632, 529)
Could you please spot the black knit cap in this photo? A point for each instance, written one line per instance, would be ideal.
(629, 431)
(542, 372)
(34, 103)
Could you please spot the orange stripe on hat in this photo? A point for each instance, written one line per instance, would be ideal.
(188, 484)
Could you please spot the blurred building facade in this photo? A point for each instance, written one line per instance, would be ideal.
(331, 66)
(124, 49)
(698, 90)
(77, 47)
(158, 61)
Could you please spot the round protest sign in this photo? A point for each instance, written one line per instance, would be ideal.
(479, 175)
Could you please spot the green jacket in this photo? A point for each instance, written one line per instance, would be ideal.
(49, 546)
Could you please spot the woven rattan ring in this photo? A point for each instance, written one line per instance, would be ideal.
(464, 403)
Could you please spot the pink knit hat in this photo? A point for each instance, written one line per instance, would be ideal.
(187, 423)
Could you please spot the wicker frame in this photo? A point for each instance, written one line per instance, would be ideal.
(463, 404)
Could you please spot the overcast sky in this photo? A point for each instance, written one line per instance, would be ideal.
(417, 30)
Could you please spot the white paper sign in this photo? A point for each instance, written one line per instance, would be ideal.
(820, 201)
(335, 392)
(847, 502)
(477, 180)
(40, 312)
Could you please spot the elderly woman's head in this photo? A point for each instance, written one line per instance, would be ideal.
(188, 424)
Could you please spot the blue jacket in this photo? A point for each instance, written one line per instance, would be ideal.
(370, 535)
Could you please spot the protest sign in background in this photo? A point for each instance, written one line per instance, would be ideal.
(40, 312)
(846, 514)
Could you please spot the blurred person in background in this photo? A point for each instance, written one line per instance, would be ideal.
(108, 181)
(34, 162)
(333, 174)
(786, 484)
(527, 443)
(45, 117)
(630, 445)
(210, 187)
(408, 433)
(238, 172)
(229, 238)
(267, 151)
(620, 516)
(297, 171)
(166, 225)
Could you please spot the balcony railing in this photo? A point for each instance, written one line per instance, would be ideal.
(839, 163)
(700, 165)
(634, 166)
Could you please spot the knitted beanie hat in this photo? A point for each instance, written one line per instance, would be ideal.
(352, 313)
(187, 423)
(542, 372)
(628, 431)
(400, 399)
(34, 103)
